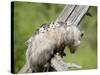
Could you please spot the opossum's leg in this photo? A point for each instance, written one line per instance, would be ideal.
(61, 51)
(46, 67)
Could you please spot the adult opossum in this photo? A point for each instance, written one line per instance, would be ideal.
(49, 40)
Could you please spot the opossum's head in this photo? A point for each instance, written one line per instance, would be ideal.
(73, 37)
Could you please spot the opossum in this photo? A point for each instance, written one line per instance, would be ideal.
(51, 39)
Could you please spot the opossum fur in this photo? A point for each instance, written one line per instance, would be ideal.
(43, 45)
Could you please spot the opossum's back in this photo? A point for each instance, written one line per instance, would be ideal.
(42, 42)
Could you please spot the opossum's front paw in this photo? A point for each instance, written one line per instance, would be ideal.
(63, 54)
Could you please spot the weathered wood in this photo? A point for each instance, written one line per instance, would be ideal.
(66, 12)
(72, 14)
(77, 14)
(59, 65)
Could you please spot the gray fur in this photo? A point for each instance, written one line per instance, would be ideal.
(43, 45)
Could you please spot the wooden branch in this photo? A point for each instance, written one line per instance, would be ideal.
(65, 13)
(59, 65)
(77, 14)
(73, 14)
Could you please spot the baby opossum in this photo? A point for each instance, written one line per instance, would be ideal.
(49, 40)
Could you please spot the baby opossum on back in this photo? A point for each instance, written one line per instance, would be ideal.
(49, 40)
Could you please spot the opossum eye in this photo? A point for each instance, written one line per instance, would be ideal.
(82, 34)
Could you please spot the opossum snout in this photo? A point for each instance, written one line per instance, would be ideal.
(72, 49)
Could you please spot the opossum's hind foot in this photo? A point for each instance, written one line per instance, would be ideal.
(33, 71)
(46, 67)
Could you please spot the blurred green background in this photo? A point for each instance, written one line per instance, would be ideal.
(29, 16)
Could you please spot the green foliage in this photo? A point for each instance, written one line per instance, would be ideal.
(29, 16)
